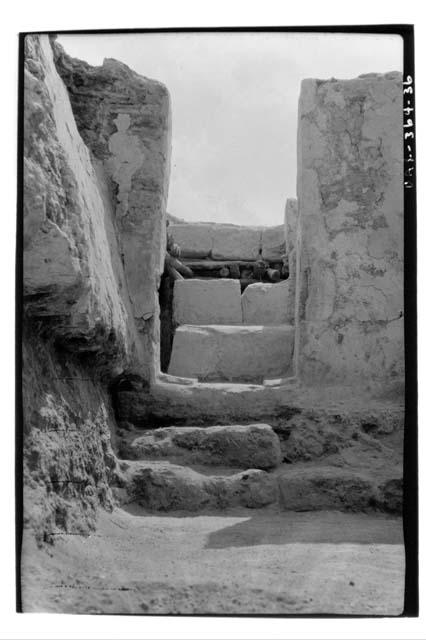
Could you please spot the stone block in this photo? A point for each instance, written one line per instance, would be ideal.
(236, 243)
(207, 301)
(240, 352)
(264, 303)
(273, 243)
(195, 240)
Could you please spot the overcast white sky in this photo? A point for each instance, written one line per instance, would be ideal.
(234, 108)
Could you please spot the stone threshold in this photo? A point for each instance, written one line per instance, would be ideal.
(167, 379)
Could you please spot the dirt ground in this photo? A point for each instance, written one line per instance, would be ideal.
(240, 562)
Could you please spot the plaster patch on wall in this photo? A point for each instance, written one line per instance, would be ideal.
(127, 157)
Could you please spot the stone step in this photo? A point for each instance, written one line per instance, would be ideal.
(163, 486)
(228, 241)
(361, 440)
(253, 446)
(232, 352)
(318, 487)
(167, 403)
(210, 301)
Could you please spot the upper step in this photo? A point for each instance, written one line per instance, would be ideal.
(219, 301)
(167, 402)
(243, 446)
(228, 241)
(232, 352)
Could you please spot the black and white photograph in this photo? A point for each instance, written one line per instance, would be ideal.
(216, 369)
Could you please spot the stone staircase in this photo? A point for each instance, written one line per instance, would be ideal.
(223, 336)
(247, 435)
(215, 468)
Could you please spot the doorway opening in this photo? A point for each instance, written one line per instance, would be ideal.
(227, 304)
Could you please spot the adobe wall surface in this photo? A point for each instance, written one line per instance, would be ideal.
(73, 275)
(125, 120)
(350, 195)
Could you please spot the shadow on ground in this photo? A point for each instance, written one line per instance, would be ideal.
(292, 527)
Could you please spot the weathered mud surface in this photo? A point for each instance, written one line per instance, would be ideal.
(239, 562)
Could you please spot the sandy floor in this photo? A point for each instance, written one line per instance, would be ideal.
(244, 562)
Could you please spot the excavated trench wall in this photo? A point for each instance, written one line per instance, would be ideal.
(95, 172)
(350, 302)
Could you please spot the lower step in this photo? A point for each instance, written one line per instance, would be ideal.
(162, 486)
(232, 352)
(326, 487)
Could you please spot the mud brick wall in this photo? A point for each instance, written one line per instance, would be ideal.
(350, 195)
(125, 121)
